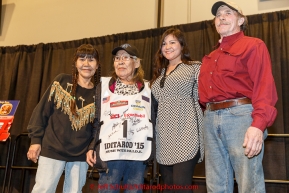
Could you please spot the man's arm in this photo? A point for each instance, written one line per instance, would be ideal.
(264, 97)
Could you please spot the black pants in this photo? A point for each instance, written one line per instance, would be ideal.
(178, 175)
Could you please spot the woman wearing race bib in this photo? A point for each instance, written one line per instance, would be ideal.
(124, 124)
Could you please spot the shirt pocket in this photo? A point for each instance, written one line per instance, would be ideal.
(206, 66)
(230, 62)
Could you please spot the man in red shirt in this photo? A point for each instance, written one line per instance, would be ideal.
(237, 89)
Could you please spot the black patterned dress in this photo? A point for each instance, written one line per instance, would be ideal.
(179, 116)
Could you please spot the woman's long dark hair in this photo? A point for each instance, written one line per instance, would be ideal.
(160, 61)
(82, 51)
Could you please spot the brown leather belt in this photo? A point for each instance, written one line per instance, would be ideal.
(228, 103)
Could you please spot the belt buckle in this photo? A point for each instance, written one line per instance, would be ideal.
(208, 106)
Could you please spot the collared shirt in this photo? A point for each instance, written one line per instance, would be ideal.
(240, 66)
(112, 85)
(125, 89)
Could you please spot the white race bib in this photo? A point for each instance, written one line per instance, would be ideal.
(126, 133)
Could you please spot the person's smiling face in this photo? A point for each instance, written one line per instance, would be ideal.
(86, 66)
(171, 48)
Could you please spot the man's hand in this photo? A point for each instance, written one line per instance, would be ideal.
(33, 152)
(253, 141)
(91, 157)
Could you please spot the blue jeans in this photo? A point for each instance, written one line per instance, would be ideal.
(49, 172)
(132, 173)
(224, 132)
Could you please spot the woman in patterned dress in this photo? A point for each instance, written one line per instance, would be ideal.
(60, 126)
(179, 143)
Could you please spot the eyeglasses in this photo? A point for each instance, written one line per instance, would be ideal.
(123, 57)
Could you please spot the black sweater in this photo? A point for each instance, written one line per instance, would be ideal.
(61, 135)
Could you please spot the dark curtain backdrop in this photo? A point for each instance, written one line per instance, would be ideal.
(27, 70)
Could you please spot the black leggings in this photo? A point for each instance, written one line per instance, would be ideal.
(178, 175)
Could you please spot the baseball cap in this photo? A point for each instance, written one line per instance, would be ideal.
(231, 5)
(132, 50)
